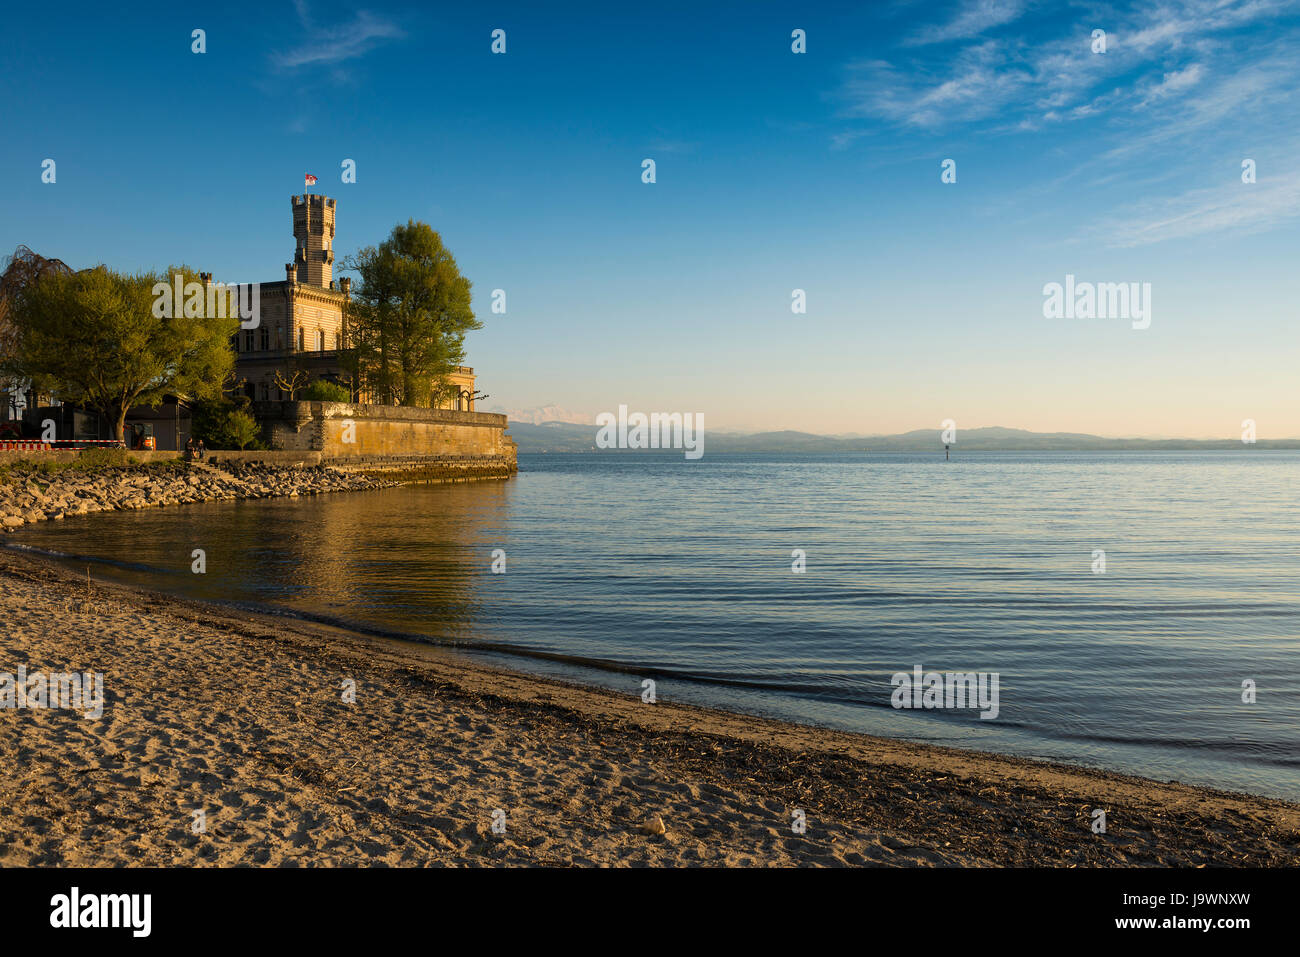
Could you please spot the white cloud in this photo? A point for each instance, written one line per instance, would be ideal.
(333, 45)
(972, 20)
(977, 87)
(1187, 82)
(1024, 83)
(1236, 207)
(1173, 83)
(1174, 24)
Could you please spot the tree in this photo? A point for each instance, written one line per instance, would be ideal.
(225, 423)
(99, 339)
(409, 315)
(292, 379)
(22, 270)
(242, 429)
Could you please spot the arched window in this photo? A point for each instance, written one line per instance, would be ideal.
(302, 343)
(320, 340)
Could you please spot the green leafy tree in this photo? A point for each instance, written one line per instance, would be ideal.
(95, 339)
(225, 423)
(241, 430)
(409, 315)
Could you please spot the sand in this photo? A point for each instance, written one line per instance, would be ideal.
(243, 717)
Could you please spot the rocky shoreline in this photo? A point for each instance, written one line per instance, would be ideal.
(30, 494)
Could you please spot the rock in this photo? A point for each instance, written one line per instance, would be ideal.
(654, 824)
(12, 521)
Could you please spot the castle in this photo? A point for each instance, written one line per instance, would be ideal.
(303, 320)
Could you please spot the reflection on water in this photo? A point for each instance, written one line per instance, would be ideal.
(406, 559)
(632, 566)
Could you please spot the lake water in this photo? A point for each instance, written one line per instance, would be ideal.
(622, 567)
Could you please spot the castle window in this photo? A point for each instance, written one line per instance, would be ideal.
(266, 338)
(320, 340)
(266, 392)
(248, 340)
(302, 347)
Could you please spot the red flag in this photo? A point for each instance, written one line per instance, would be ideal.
(311, 180)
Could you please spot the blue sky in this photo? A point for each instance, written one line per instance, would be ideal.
(775, 171)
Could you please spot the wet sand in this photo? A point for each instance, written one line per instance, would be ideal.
(242, 716)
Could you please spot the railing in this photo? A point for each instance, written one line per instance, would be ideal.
(59, 445)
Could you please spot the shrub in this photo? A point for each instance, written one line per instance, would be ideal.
(320, 390)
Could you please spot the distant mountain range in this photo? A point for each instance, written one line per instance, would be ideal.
(542, 414)
(572, 437)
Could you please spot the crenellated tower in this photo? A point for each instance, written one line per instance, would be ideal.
(313, 228)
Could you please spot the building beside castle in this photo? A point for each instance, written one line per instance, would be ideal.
(303, 321)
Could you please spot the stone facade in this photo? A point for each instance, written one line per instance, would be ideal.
(303, 326)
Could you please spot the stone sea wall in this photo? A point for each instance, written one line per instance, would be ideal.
(393, 438)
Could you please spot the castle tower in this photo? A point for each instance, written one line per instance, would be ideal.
(313, 228)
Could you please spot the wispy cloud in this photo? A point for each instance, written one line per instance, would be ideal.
(329, 46)
(1248, 96)
(1172, 84)
(1173, 25)
(976, 85)
(1027, 82)
(663, 145)
(1237, 208)
(1181, 84)
(972, 20)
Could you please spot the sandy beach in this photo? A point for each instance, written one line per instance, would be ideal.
(242, 716)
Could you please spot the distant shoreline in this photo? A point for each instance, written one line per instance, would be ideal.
(928, 450)
(556, 437)
(240, 714)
